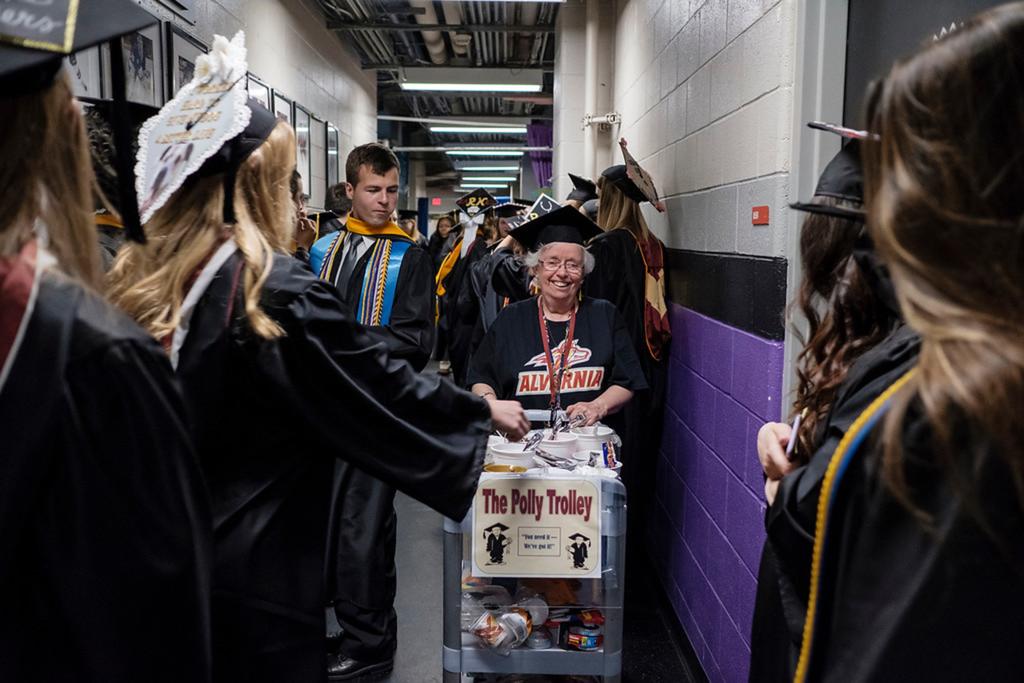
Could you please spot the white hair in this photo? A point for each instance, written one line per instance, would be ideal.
(532, 260)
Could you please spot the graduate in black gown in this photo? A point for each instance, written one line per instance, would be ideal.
(557, 350)
(386, 279)
(281, 381)
(630, 273)
(105, 545)
(918, 569)
(857, 345)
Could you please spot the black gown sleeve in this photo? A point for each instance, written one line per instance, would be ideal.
(511, 278)
(418, 433)
(483, 368)
(123, 535)
(409, 334)
(626, 372)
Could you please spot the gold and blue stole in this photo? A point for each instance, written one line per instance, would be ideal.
(845, 453)
(380, 281)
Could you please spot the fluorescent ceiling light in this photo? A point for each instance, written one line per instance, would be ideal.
(483, 153)
(488, 178)
(473, 87)
(504, 130)
(486, 186)
(474, 169)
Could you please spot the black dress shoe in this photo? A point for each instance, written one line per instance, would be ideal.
(344, 668)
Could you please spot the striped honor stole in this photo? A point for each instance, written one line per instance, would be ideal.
(844, 454)
(380, 281)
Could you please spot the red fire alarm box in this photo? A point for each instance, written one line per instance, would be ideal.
(759, 215)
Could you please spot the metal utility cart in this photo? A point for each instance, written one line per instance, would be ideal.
(462, 654)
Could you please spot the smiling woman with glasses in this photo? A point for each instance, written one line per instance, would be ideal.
(558, 349)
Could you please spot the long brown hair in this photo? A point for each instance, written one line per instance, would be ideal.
(845, 317)
(945, 188)
(150, 281)
(616, 210)
(45, 174)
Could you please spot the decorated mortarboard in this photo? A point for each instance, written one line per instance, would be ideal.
(210, 127)
(35, 36)
(843, 177)
(564, 224)
(472, 203)
(584, 189)
(633, 180)
(509, 209)
(497, 525)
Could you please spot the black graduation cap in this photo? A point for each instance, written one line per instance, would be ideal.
(584, 189)
(31, 54)
(497, 525)
(591, 207)
(580, 536)
(408, 214)
(476, 201)
(565, 224)
(843, 178)
(617, 176)
(509, 209)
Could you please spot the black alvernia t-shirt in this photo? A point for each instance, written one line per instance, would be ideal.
(511, 356)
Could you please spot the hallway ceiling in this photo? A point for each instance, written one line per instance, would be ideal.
(394, 37)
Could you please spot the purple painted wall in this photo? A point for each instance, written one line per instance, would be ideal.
(723, 385)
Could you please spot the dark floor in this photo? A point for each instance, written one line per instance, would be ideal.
(652, 649)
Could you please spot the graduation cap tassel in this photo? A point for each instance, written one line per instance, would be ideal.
(123, 147)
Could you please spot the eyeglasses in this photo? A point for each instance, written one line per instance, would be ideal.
(552, 265)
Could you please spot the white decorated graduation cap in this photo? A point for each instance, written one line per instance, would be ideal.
(564, 224)
(35, 36)
(210, 127)
(476, 201)
(843, 177)
(583, 189)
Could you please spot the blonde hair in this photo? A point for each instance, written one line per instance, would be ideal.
(149, 281)
(616, 210)
(45, 174)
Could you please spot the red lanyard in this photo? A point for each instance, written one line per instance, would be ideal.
(555, 376)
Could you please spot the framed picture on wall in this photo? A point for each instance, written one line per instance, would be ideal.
(317, 186)
(86, 69)
(303, 149)
(182, 52)
(186, 9)
(144, 66)
(333, 155)
(283, 109)
(258, 90)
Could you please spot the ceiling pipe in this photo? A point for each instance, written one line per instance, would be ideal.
(453, 15)
(432, 39)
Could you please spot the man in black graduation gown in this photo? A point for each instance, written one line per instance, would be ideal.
(387, 282)
(105, 544)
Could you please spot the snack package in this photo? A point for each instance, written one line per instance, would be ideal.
(502, 631)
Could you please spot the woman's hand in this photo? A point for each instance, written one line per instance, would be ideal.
(772, 441)
(305, 233)
(509, 418)
(594, 411)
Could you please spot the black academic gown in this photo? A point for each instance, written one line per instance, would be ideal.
(360, 572)
(462, 311)
(270, 418)
(784, 575)
(619, 276)
(105, 548)
(900, 601)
